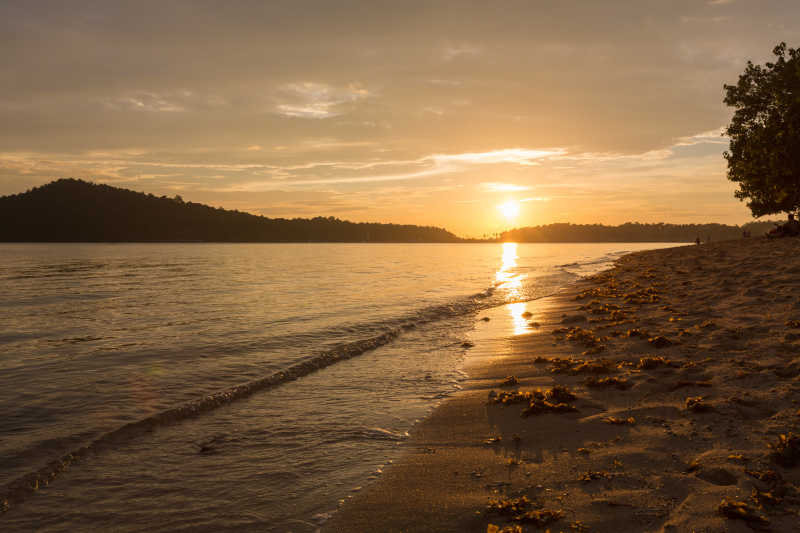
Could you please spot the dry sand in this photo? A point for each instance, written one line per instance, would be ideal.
(703, 343)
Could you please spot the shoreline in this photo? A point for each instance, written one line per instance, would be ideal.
(702, 362)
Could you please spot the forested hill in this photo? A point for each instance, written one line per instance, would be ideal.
(70, 210)
(634, 232)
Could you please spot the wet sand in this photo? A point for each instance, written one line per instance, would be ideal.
(668, 400)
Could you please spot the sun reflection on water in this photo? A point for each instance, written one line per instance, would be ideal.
(507, 279)
(510, 281)
(519, 322)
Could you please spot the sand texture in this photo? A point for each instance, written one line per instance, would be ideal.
(663, 395)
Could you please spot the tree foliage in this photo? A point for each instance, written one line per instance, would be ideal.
(634, 232)
(764, 154)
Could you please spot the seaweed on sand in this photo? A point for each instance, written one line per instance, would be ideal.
(739, 510)
(765, 498)
(539, 402)
(651, 363)
(510, 381)
(559, 393)
(630, 421)
(786, 451)
(582, 366)
(508, 506)
(601, 292)
(696, 404)
(600, 383)
(594, 350)
(660, 342)
(508, 398)
(592, 475)
(770, 477)
(514, 528)
(540, 517)
(586, 337)
(538, 407)
(643, 296)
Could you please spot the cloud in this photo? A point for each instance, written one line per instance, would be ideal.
(145, 101)
(318, 100)
(519, 156)
(451, 51)
(494, 186)
(715, 136)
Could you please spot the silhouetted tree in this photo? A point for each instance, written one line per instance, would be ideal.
(764, 154)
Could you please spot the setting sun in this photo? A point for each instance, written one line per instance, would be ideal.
(509, 209)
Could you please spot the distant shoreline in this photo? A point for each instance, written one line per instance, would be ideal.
(339, 242)
(76, 211)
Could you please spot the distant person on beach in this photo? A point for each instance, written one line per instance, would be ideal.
(697, 241)
(792, 226)
(789, 229)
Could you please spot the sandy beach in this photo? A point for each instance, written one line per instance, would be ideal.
(662, 395)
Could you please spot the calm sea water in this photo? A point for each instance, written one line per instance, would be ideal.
(214, 387)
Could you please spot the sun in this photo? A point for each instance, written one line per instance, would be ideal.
(509, 209)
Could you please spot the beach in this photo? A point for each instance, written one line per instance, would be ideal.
(661, 395)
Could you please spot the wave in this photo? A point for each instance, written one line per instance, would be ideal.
(21, 488)
(592, 266)
(370, 434)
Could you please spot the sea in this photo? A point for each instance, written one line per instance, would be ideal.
(235, 387)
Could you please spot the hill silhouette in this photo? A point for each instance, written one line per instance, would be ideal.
(634, 232)
(72, 210)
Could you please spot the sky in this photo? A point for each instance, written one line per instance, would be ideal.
(474, 116)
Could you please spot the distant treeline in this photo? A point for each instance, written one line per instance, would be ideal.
(71, 210)
(634, 232)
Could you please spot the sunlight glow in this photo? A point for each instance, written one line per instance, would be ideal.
(509, 209)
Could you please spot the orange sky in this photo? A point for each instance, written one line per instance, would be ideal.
(424, 113)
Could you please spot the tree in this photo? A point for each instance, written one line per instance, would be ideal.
(764, 154)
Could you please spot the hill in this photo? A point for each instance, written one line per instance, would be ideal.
(634, 232)
(71, 210)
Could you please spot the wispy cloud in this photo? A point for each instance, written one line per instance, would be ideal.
(519, 156)
(716, 136)
(455, 51)
(494, 186)
(317, 100)
(146, 101)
